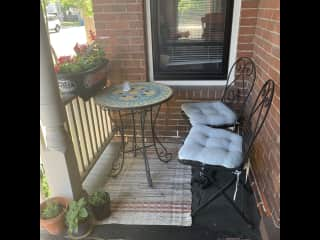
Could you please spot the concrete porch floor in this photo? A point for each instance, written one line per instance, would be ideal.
(217, 221)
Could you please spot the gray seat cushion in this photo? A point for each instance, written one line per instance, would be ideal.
(212, 146)
(209, 113)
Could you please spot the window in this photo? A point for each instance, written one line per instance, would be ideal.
(190, 39)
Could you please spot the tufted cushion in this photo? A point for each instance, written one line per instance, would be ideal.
(209, 113)
(212, 146)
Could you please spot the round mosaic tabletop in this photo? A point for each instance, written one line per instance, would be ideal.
(141, 94)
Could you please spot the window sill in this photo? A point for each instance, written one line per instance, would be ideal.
(192, 82)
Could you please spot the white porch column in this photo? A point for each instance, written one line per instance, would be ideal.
(59, 158)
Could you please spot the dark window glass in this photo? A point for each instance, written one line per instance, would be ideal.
(190, 39)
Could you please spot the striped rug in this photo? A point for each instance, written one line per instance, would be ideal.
(167, 203)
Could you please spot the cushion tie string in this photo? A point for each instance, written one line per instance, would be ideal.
(237, 172)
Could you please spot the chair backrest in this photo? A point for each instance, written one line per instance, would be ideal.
(255, 119)
(240, 82)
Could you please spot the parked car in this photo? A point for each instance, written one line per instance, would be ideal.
(54, 22)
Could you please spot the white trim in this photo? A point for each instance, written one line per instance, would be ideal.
(234, 32)
(149, 40)
(232, 49)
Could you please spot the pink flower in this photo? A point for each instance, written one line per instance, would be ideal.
(56, 68)
(80, 48)
(64, 59)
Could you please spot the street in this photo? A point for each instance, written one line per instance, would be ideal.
(64, 41)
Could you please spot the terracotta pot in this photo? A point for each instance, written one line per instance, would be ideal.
(55, 225)
(103, 211)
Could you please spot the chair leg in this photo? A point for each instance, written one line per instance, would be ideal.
(245, 186)
(241, 213)
(206, 177)
(214, 196)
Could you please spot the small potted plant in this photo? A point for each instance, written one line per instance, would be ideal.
(100, 204)
(52, 212)
(78, 219)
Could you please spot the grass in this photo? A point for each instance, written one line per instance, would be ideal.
(70, 24)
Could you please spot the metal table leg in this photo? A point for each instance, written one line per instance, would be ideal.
(163, 154)
(146, 162)
(134, 140)
(118, 165)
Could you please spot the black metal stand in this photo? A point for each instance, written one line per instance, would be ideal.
(160, 150)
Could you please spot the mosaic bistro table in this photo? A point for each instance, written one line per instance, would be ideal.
(142, 98)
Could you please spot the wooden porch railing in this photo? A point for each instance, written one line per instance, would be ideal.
(90, 129)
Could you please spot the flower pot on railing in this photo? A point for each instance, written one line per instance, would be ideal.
(82, 74)
(84, 84)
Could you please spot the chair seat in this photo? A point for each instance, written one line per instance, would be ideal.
(209, 113)
(212, 146)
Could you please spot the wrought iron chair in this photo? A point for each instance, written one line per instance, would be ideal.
(222, 113)
(226, 150)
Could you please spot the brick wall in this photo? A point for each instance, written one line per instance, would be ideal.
(248, 20)
(262, 43)
(122, 22)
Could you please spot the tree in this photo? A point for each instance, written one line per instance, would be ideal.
(185, 5)
(84, 5)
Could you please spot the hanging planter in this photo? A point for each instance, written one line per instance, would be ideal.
(83, 74)
(84, 84)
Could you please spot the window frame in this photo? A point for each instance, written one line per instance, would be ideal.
(201, 80)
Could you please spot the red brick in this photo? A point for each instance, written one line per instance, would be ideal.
(245, 46)
(269, 4)
(245, 39)
(276, 15)
(135, 8)
(249, 4)
(247, 30)
(248, 21)
(248, 12)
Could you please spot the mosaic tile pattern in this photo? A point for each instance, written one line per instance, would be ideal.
(141, 94)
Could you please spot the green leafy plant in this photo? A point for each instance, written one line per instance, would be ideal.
(77, 212)
(51, 210)
(97, 198)
(87, 57)
(44, 187)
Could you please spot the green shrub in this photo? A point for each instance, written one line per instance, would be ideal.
(51, 210)
(98, 198)
(77, 211)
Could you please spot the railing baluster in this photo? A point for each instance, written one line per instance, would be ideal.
(103, 123)
(83, 142)
(103, 120)
(77, 136)
(75, 140)
(93, 133)
(106, 122)
(99, 123)
(109, 123)
(97, 133)
(90, 130)
(84, 124)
